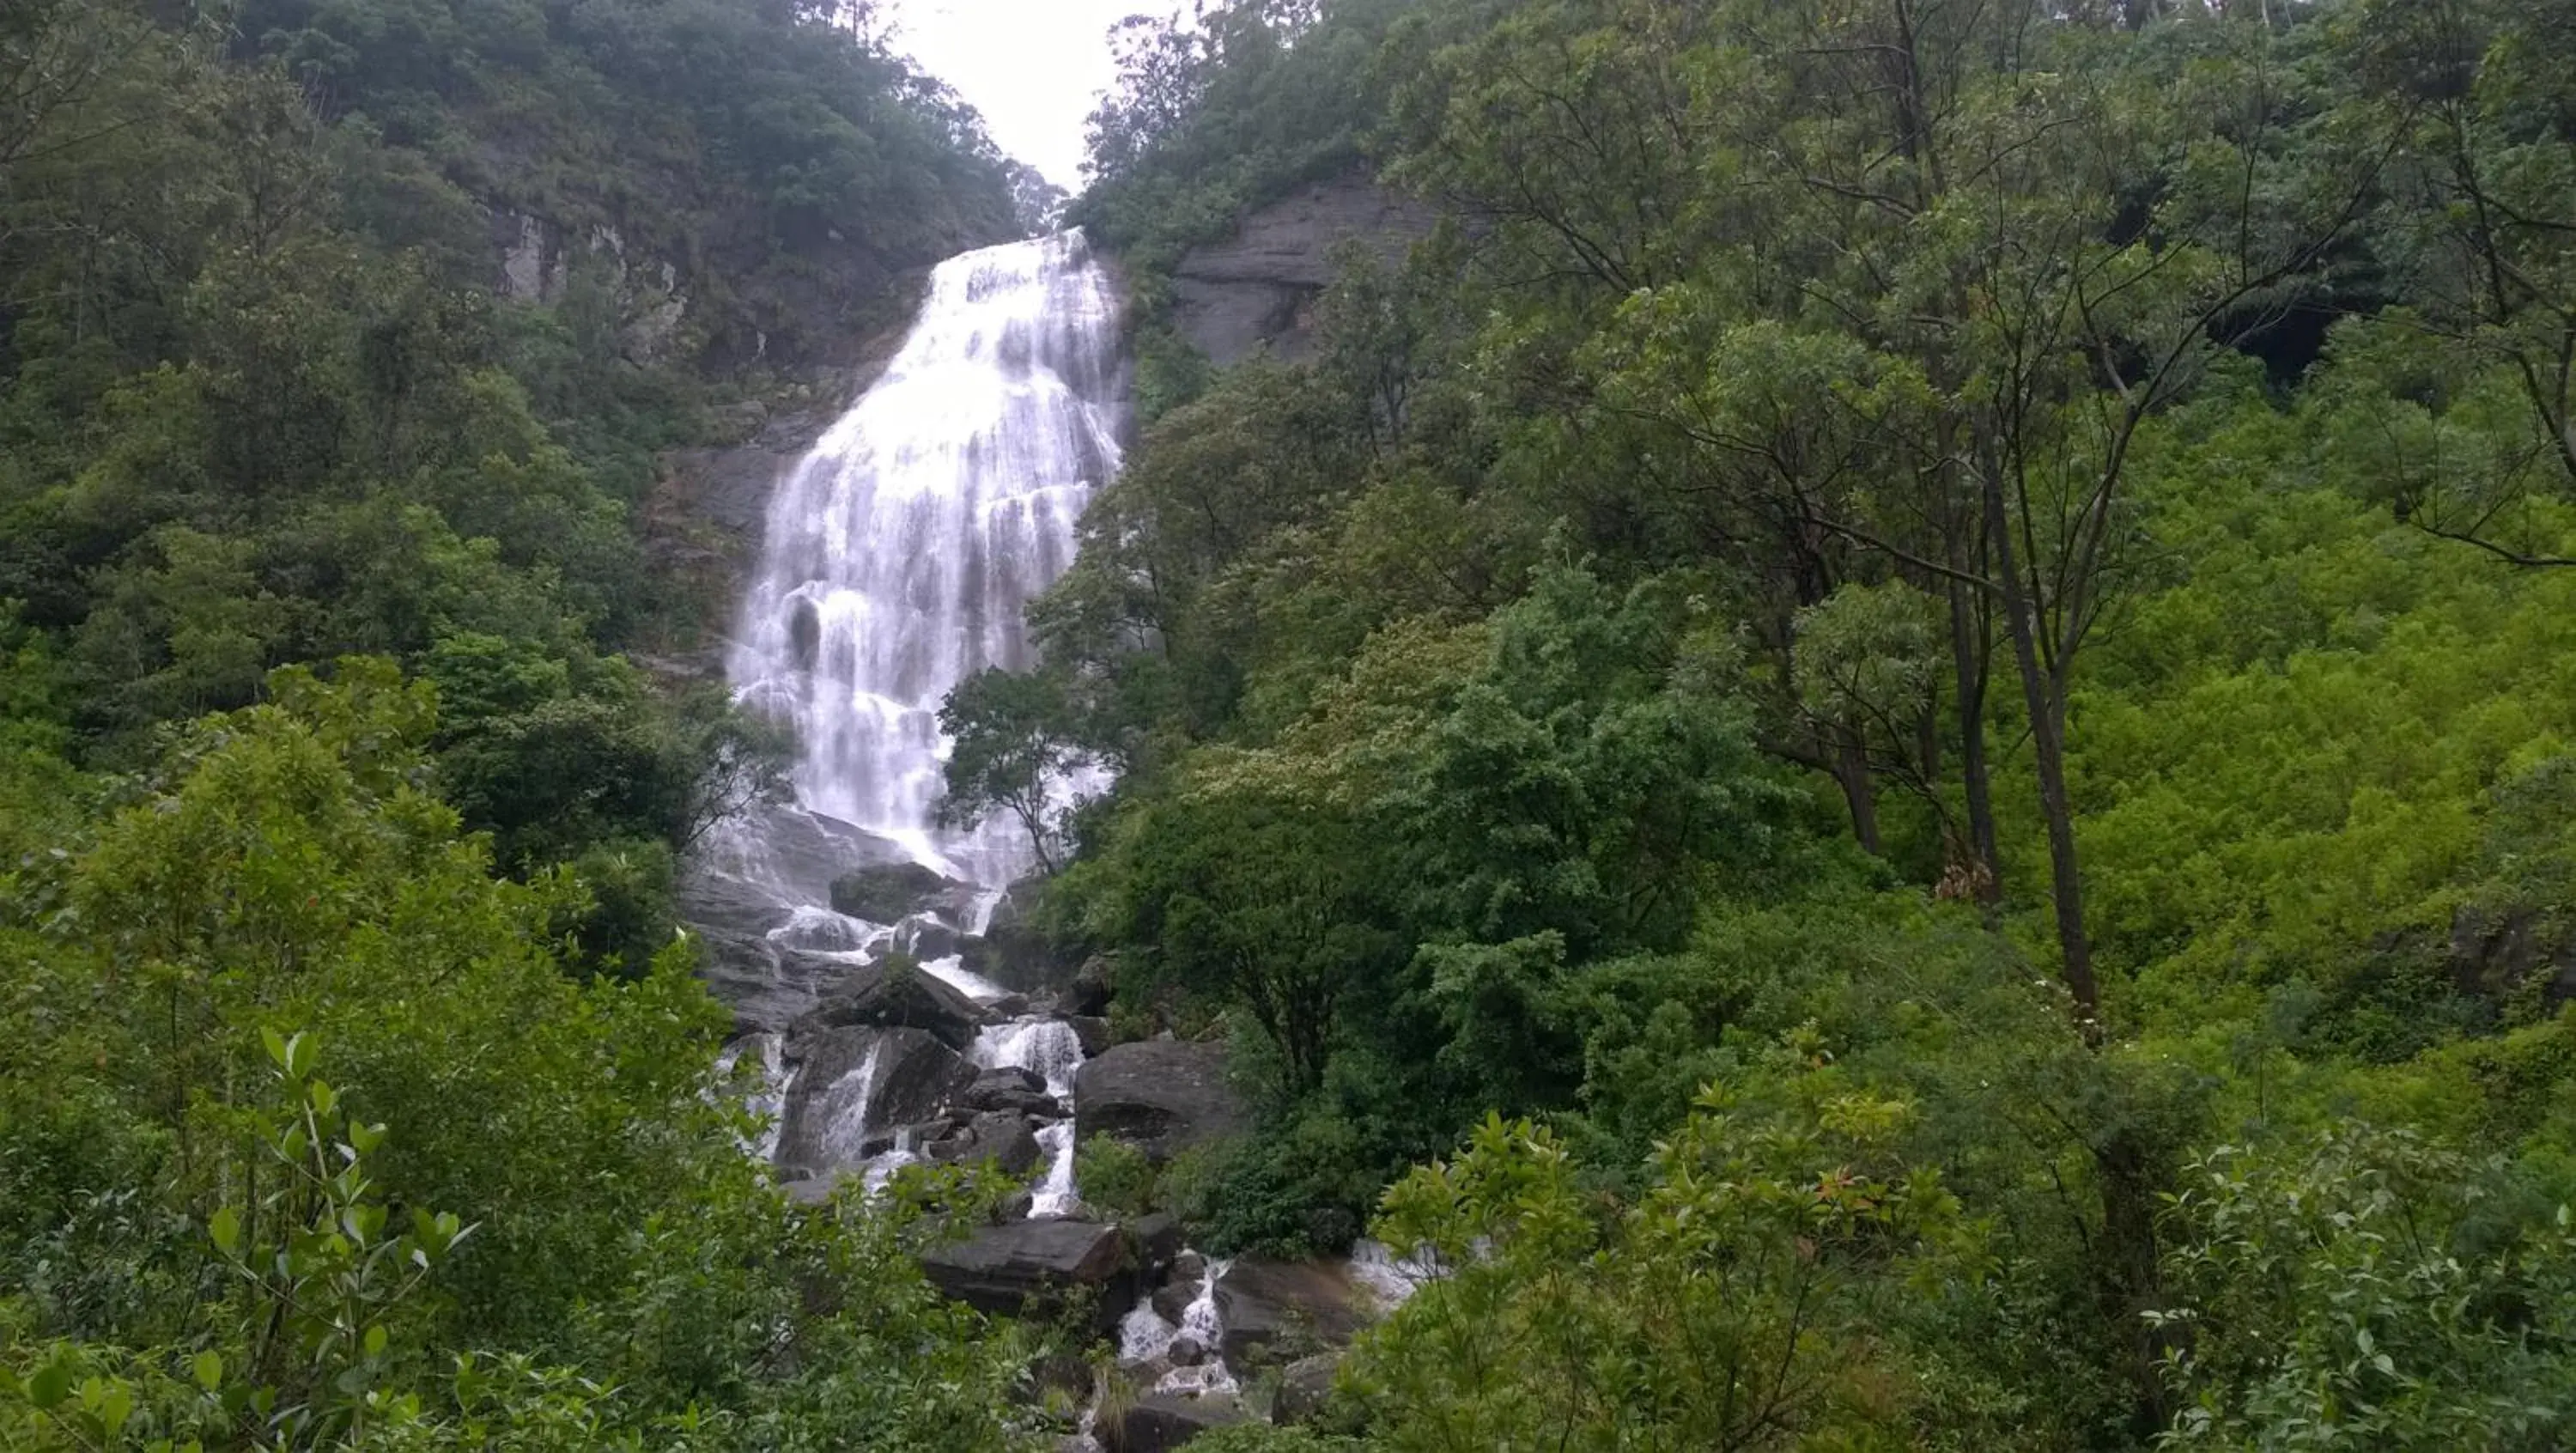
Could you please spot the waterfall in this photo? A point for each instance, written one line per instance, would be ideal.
(900, 553)
(1047, 1048)
(901, 550)
(844, 1109)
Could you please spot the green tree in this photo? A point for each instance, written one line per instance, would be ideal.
(1727, 1307)
(1014, 753)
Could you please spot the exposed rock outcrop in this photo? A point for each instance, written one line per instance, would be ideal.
(1232, 298)
(1161, 1096)
(1265, 1303)
(537, 262)
(893, 996)
(1013, 1089)
(2494, 953)
(1003, 1268)
(1160, 1423)
(886, 892)
(849, 1079)
(1002, 1138)
(748, 928)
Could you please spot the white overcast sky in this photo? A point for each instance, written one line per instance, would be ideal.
(1033, 67)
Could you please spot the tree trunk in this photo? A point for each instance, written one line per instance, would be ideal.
(1968, 660)
(2130, 1270)
(2045, 697)
(1851, 769)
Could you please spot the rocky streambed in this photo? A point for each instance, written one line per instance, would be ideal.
(916, 1022)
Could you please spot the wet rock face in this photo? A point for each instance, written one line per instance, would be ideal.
(1002, 1269)
(885, 892)
(1017, 957)
(1161, 1423)
(1265, 1303)
(1233, 298)
(850, 1078)
(1004, 1139)
(889, 997)
(1161, 1096)
(1010, 1088)
(746, 927)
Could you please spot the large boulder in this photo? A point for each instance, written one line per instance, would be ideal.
(1004, 1268)
(1158, 1243)
(1264, 1303)
(1088, 993)
(1305, 1388)
(1006, 1140)
(1161, 1096)
(853, 1082)
(895, 995)
(793, 854)
(739, 893)
(887, 892)
(1163, 1422)
(1008, 1088)
(1017, 958)
(1090, 1031)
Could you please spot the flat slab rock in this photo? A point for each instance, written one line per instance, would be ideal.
(1263, 1302)
(1163, 1422)
(882, 997)
(1161, 1096)
(1001, 1269)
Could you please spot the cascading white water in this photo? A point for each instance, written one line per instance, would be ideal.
(903, 547)
(900, 553)
(1047, 1048)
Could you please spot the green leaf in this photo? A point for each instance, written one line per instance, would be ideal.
(207, 1368)
(375, 1341)
(50, 1385)
(225, 1227)
(279, 1052)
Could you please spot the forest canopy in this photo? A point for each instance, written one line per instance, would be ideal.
(1885, 747)
(1963, 595)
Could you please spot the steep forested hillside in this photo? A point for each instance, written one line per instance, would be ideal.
(1926, 645)
(353, 329)
(1886, 750)
(355, 1092)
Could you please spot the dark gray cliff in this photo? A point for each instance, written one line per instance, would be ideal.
(1258, 289)
(705, 517)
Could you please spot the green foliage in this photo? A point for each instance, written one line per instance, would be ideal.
(2368, 1289)
(1264, 1438)
(316, 1278)
(260, 403)
(1728, 1307)
(2071, 504)
(1115, 1177)
(1013, 751)
(203, 1239)
(1219, 111)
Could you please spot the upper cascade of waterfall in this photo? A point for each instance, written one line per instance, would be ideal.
(903, 547)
